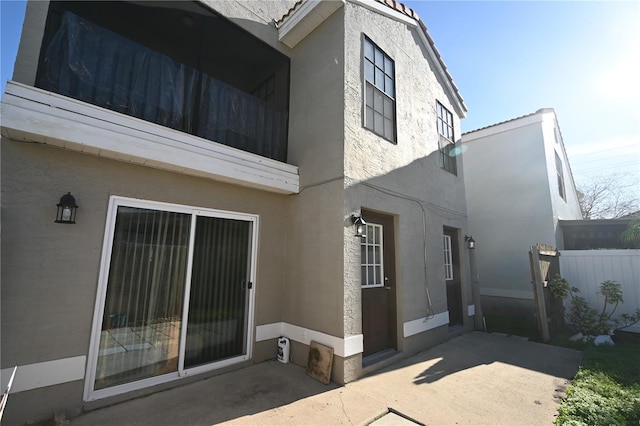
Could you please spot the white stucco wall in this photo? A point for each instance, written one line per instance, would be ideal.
(513, 200)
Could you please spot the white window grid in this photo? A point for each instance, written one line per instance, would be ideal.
(379, 105)
(448, 258)
(372, 265)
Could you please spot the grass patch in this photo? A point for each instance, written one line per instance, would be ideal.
(515, 326)
(606, 389)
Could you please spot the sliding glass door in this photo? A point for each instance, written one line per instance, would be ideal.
(175, 294)
(216, 325)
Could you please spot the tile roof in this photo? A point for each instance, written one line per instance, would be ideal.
(279, 21)
(394, 4)
(407, 11)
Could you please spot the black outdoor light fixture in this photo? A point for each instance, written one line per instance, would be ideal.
(470, 241)
(67, 209)
(360, 224)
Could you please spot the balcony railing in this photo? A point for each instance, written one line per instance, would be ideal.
(87, 62)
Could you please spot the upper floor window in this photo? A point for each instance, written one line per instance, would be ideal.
(379, 94)
(446, 141)
(560, 174)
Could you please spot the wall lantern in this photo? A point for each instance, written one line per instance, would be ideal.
(360, 224)
(471, 243)
(66, 209)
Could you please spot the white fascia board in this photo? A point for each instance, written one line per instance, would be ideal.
(516, 123)
(306, 18)
(35, 115)
(401, 17)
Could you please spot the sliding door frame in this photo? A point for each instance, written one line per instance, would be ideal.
(90, 394)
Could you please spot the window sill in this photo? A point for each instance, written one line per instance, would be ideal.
(34, 115)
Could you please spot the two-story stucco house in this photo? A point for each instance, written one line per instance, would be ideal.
(242, 170)
(519, 186)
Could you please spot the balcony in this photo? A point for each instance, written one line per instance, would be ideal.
(87, 62)
(158, 84)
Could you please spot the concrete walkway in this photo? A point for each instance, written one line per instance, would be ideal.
(474, 379)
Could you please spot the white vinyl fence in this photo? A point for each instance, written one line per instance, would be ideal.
(586, 269)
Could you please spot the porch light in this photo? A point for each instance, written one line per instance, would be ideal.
(471, 243)
(67, 209)
(360, 224)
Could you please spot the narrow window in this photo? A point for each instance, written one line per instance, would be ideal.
(560, 177)
(379, 93)
(448, 258)
(371, 254)
(446, 140)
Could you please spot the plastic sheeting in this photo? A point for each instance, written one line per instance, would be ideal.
(87, 62)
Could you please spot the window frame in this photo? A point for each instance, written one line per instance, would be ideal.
(387, 94)
(560, 176)
(448, 258)
(378, 262)
(90, 393)
(446, 138)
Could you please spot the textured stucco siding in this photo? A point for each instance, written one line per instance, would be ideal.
(50, 271)
(410, 167)
(254, 16)
(313, 296)
(26, 64)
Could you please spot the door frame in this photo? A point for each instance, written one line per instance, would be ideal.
(454, 289)
(389, 266)
(90, 394)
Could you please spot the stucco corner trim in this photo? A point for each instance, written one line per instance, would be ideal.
(48, 373)
(421, 325)
(342, 346)
(471, 310)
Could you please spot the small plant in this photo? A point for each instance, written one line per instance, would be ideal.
(586, 318)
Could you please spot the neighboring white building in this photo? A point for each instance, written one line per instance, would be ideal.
(518, 185)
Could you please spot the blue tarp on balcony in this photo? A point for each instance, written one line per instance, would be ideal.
(87, 62)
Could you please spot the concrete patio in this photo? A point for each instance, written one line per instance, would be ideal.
(477, 378)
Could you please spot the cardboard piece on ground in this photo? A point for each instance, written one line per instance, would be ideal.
(319, 362)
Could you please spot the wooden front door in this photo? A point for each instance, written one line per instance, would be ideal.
(378, 284)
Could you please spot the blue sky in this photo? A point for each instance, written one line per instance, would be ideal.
(581, 58)
(511, 58)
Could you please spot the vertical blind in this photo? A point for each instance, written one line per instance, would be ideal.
(218, 302)
(146, 290)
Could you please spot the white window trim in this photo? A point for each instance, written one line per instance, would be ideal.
(448, 258)
(115, 201)
(367, 83)
(366, 244)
